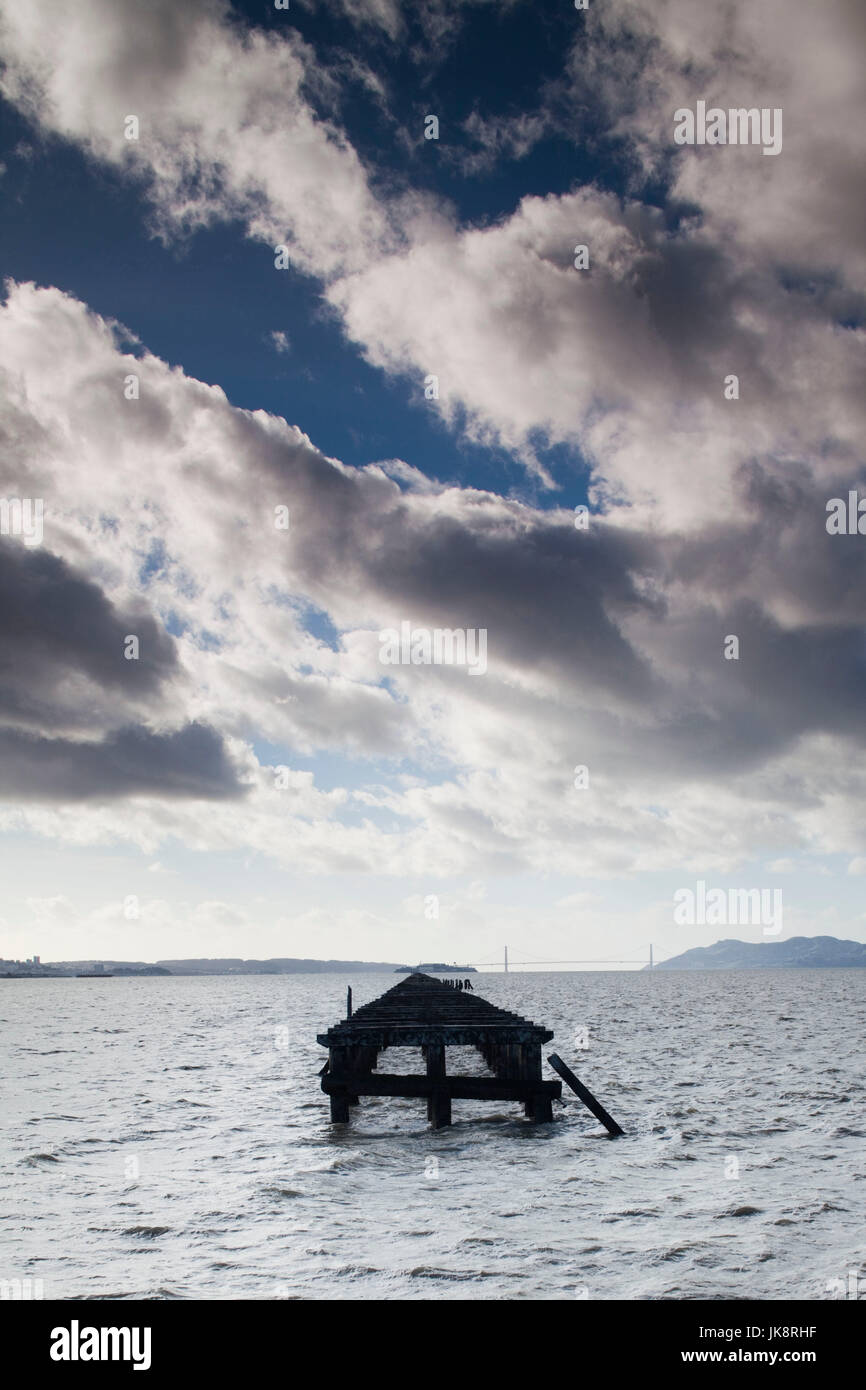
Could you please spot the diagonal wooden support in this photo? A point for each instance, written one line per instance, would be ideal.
(586, 1096)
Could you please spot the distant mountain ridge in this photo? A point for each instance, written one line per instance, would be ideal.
(798, 953)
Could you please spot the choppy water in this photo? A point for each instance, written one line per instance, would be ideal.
(167, 1138)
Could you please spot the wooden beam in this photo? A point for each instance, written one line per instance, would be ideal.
(458, 1087)
(586, 1096)
(466, 1033)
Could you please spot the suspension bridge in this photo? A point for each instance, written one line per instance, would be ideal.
(593, 960)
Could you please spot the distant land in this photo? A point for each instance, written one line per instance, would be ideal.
(798, 953)
(280, 965)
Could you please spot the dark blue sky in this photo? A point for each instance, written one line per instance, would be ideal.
(211, 304)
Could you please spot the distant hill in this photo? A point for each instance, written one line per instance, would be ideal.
(798, 953)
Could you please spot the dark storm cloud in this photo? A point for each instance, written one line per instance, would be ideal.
(63, 670)
(614, 615)
(192, 762)
(550, 597)
(59, 634)
(778, 551)
(731, 716)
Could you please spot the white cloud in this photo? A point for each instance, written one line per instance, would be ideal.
(803, 207)
(604, 648)
(224, 127)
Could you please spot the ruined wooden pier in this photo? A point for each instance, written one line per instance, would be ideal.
(423, 1012)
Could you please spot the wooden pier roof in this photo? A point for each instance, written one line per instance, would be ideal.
(419, 1011)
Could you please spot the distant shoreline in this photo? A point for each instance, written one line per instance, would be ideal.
(105, 969)
(797, 953)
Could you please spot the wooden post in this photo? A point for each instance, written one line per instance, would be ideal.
(435, 1057)
(340, 1060)
(530, 1070)
(429, 1098)
(439, 1103)
(362, 1060)
(441, 1108)
(542, 1109)
(349, 1002)
(532, 1061)
(354, 1062)
(339, 1108)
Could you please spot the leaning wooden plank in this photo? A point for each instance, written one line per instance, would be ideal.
(586, 1096)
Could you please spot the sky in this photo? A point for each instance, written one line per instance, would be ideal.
(284, 372)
